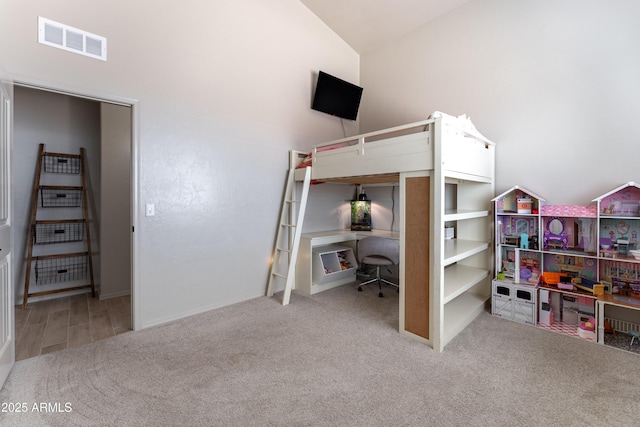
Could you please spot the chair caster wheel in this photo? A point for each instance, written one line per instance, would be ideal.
(359, 288)
(380, 295)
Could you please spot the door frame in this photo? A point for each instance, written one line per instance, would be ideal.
(7, 304)
(134, 104)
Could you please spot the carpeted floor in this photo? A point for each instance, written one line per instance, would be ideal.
(334, 359)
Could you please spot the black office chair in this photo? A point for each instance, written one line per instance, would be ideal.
(378, 251)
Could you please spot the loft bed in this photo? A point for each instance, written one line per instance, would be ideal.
(380, 156)
(446, 170)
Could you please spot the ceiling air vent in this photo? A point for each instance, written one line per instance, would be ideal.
(71, 39)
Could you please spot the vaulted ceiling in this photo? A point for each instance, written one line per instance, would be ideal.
(367, 24)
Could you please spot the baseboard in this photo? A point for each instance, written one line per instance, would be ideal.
(114, 295)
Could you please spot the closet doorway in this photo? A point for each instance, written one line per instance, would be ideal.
(64, 122)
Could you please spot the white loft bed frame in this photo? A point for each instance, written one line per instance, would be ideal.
(449, 150)
(406, 148)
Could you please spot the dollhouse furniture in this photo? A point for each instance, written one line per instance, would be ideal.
(590, 283)
(634, 336)
(445, 171)
(554, 233)
(606, 250)
(511, 240)
(628, 324)
(623, 246)
(608, 253)
(587, 329)
(608, 329)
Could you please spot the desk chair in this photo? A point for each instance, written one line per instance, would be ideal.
(378, 251)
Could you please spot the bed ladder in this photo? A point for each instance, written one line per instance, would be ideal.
(53, 266)
(290, 227)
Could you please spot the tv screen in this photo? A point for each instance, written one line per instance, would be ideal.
(336, 97)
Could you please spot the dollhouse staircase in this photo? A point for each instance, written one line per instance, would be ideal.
(56, 264)
(283, 265)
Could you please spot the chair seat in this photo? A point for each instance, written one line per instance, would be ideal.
(379, 252)
(376, 260)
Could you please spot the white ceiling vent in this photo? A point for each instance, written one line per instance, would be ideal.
(71, 39)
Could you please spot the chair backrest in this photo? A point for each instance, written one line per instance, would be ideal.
(388, 248)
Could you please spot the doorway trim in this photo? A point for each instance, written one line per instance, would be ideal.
(134, 104)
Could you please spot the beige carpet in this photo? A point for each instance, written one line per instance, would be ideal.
(334, 359)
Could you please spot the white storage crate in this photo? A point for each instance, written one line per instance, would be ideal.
(333, 263)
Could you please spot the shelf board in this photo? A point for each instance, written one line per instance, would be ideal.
(460, 312)
(579, 293)
(457, 215)
(620, 216)
(509, 213)
(570, 253)
(449, 175)
(459, 249)
(460, 278)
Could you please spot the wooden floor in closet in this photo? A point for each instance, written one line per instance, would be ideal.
(69, 322)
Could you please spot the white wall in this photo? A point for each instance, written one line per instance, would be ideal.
(115, 194)
(224, 91)
(554, 83)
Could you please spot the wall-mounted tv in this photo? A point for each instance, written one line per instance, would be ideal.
(336, 97)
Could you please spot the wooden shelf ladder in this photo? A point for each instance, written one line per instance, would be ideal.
(288, 235)
(60, 267)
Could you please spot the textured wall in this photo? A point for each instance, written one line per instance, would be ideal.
(223, 91)
(554, 84)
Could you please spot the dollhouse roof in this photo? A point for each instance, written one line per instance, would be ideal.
(628, 184)
(517, 187)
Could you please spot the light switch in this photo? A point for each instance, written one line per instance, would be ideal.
(150, 209)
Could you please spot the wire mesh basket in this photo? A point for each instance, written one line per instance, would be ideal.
(46, 232)
(60, 163)
(60, 268)
(61, 197)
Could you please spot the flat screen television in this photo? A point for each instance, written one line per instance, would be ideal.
(336, 97)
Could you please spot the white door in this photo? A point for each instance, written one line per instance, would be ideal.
(7, 339)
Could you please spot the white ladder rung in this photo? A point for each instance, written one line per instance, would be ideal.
(294, 239)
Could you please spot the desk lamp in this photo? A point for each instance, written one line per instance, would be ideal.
(361, 213)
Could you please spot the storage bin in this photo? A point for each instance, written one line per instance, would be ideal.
(60, 268)
(46, 232)
(60, 197)
(332, 263)
(60, 163)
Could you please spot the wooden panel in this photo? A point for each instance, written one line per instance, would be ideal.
(416, 289)
(467, 155)
(366, 179)
(404, 153)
